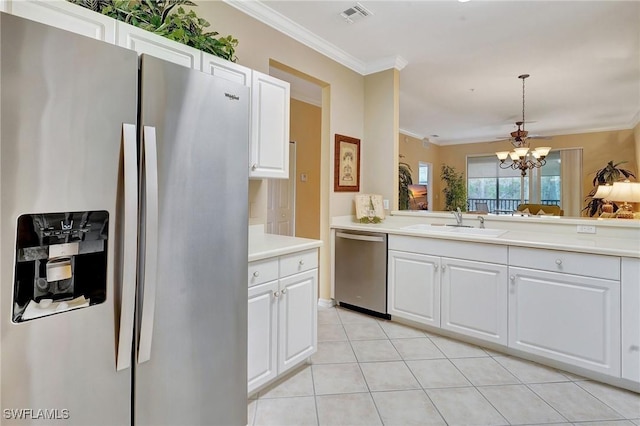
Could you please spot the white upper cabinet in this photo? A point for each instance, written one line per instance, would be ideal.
(269, 127)
(64, 15)
(143, 41)
(226, 69)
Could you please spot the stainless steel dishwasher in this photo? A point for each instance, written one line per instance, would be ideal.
(361, 271)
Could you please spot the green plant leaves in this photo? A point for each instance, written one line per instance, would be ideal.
(163, 18)
(455, 190)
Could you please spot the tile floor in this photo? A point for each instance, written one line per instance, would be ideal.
(375, 372)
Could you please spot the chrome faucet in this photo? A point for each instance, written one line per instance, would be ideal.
(458, 216)
(481, 219)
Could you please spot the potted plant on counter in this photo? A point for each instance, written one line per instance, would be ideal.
(455, 190)
(605, 176)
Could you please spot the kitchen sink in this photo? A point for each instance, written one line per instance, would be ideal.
(464, 230)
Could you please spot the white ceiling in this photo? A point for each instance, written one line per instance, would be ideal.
(460, 61)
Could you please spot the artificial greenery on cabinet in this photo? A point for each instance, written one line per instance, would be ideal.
(455, 190)
(163, 18)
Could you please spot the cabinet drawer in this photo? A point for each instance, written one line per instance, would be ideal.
(592, 265)
(492, 253)
(298, 262)
(262, 271)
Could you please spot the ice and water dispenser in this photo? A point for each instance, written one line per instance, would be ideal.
(61, 263)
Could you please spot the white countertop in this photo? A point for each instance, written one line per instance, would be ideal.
(544, 237)
(263, 246)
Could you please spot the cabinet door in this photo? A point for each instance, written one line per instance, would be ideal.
(630, 319)
(298, 317)
(146, 42)
(67, 16)
(566, 317)
(474, 299)
(262, 338)
(414, 287)
(269, 127)
(226, 69)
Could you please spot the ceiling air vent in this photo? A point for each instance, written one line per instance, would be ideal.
(355, 13)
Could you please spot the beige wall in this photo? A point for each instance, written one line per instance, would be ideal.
(636, 135)
(305, 130)
(598, 149)
(342, 107)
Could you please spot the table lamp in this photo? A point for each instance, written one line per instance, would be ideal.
(603, 194)
(625, 192)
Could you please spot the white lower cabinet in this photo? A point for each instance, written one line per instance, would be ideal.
(569, 318)
(630, 295)
(414, 287)
(466, 294)
(474, 299)
(282, 315)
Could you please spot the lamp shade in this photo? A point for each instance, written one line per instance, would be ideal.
(521, 151)
(543, 150)
(502, 155)
(603, 191)
(625, 191)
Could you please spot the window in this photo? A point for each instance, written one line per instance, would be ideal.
(504, 189)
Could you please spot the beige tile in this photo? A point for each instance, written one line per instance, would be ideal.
(406, 408)
(519, 405)
(347, 410)
(531, 372)
(328, 316)
(338, 378)
(624, 402)
(374, 350)
(393, 375)
(352, 317)
(251, 411)
(437, 373)
(398, 331)
(484, 371)
(333, 353)
(286, 411)
(465, 406)
(419, 348)
(331, 333)
(361, 331)
(298, 383)
(455, 349)
(573, 402)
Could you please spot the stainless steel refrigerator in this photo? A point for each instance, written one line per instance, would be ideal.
(123, 236)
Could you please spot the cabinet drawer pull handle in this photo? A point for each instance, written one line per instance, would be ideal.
(301, 262)
(256, 274)
(284, 291)
(253, 167)
(558, 262)
(444, 267)
(276, 294)
(634, 348)
(435, 267)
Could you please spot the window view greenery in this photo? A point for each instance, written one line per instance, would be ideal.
(503, 189)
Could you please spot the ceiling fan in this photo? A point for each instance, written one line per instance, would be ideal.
(520, 136)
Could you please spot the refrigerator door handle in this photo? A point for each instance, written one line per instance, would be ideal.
(150, 164)
(130, 249)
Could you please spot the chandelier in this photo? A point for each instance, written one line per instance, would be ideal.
(522, 158)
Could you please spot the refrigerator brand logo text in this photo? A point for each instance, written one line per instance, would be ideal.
(232, 97)
(36, 414)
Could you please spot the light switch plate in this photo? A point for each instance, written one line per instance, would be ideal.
(586, 229)
(385, 204)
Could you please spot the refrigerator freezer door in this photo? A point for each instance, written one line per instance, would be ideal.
(196, 372)
(64, 99)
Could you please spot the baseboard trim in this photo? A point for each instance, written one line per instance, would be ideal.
(326, 303)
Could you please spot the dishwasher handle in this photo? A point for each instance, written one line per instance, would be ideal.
(370, 238)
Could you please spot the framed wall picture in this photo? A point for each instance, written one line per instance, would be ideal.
(347, 164)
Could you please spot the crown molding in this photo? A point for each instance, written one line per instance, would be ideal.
(258, 10)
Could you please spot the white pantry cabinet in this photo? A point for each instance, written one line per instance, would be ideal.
(226, 69)
(566, 316)
(630, 319)
(143, 41)
(64, 15)
(282, 315)
(269, 152)
(458, 286)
